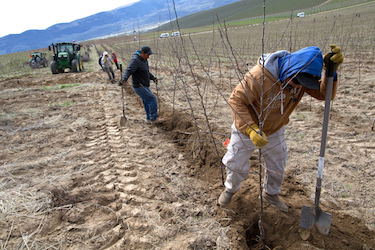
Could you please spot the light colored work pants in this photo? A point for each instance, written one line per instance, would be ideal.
(109, 71)
(240, 149)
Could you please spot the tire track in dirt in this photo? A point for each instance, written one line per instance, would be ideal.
(135, 179)
(137, 194)
(107, 137)
(101, 185)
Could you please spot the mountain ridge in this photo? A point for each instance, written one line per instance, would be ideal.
(118, 20)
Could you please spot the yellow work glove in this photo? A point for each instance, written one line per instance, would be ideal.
(259, 140)
(337, 57)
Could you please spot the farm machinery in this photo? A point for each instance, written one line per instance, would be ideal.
(37, 60)
(65, 56)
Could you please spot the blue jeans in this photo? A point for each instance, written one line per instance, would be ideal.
(149, 102)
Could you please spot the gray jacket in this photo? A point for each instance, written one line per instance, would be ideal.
(138, 68)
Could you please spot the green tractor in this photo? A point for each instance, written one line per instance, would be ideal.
(65, 56)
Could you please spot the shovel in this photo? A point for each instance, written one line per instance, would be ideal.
(123, 119)
(314, 215)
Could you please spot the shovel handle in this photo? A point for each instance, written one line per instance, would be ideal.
(327, 105)
(122, 99)
(331, 72)
(122, 93)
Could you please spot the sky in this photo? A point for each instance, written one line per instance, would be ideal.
(18, 16)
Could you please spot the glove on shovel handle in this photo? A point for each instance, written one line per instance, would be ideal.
(309, 215)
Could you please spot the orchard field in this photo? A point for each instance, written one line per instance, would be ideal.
(73, 178)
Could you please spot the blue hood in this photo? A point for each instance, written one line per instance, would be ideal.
(307, 60)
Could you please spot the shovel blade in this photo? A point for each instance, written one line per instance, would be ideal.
(323, 222)
(123, 121)
(307, 219)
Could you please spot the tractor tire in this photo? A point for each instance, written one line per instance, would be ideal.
(80, 63)
(75, 65)
(33, 65)
(53, 67)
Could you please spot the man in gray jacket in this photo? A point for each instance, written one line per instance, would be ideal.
(138, 68)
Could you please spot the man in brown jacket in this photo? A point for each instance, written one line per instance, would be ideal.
(266, 101)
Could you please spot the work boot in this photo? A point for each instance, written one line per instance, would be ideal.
(275, 201)
(158, 120)
(225, 198)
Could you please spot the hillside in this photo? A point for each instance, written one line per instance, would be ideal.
(191, 14)
(249, 9)
(119, 20)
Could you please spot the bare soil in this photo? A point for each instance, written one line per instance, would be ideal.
(73, 178)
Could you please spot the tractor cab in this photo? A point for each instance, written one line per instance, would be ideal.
(65, 56)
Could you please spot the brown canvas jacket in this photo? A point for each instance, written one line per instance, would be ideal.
(278, 104)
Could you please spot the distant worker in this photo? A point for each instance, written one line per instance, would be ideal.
(100, 61)
(138, 68)
(278, 82)
(107, 64)
(114, 58)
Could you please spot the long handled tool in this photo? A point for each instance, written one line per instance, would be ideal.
(123, 119)
(314, 215)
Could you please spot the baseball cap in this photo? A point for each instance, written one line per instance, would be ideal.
(146, 49)
(308, 80)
